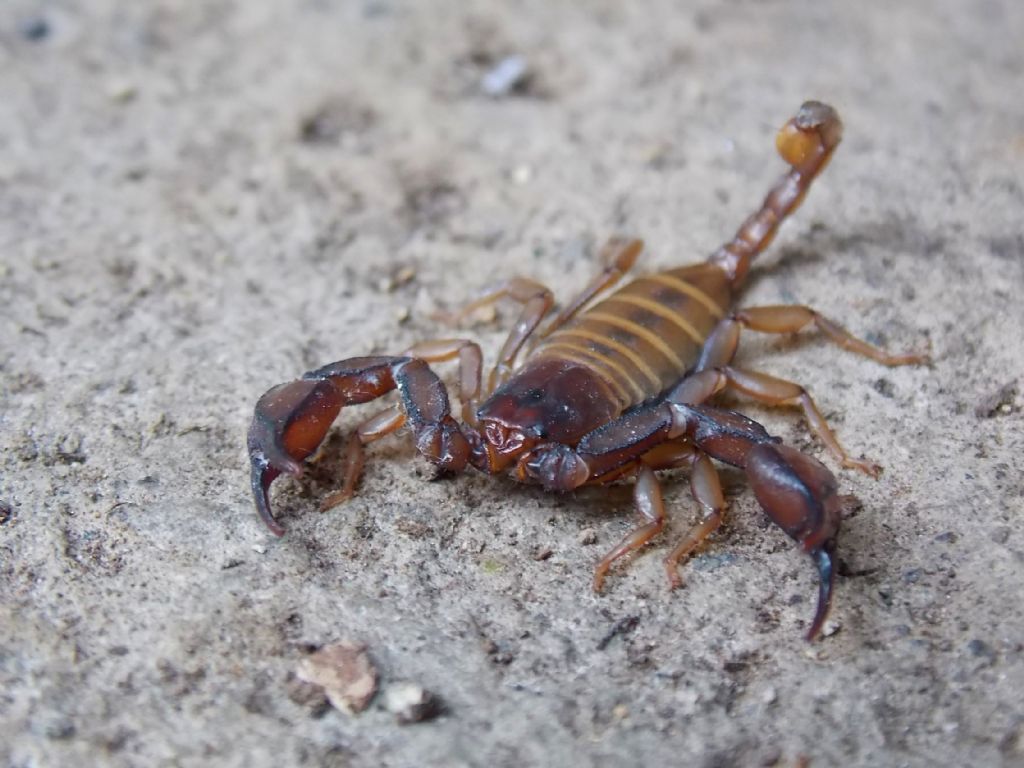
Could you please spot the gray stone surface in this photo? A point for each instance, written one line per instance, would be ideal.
(201, 199)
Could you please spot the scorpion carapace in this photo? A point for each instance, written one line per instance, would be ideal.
(617, 390)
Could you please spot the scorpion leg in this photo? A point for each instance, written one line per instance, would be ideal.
(536, 300)
(291, 420)
(707, 491)
(720, 348)
(618, 255)
(386, 422)
(769, 390)
(794, 317)
(651, 508)
(714, 372)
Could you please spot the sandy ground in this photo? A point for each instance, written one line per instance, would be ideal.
(201, 199)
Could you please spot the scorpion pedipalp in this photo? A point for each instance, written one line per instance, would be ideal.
(798, 493)
(290, 422)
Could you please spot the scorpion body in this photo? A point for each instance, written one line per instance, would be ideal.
(620, 389)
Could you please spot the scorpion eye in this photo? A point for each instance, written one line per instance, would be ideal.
(495, 434)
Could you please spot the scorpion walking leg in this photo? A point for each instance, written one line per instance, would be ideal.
(793, 318)
(374, 428)
(536, 300)
(707, 490)
(291, 420)
(762, 388)
(618, 255)
(651, 508)
(714, 372)
(721, 345)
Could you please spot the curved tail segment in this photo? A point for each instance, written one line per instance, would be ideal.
(806, 143)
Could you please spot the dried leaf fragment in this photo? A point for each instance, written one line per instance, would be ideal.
(345, 672)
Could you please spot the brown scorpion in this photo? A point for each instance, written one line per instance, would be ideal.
(617, 390)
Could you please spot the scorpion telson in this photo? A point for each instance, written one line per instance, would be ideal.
(609, 391)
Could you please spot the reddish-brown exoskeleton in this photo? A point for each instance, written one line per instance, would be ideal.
(613, 391)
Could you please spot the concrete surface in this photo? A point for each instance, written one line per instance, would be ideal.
(201, 199)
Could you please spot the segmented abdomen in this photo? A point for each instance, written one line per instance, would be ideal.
(644, 337)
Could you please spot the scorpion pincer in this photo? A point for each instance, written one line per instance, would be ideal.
(610, 390)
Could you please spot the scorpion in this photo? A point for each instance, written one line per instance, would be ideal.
(619, 389)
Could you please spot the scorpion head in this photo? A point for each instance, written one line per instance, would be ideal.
(498, 445)
(533, 419)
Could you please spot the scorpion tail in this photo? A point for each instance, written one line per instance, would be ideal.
(290, 422)
(806, 143)
(799, 494)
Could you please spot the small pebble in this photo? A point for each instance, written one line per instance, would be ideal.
(345, 672)
(259, 549)
(411, 703)
(543, 554)
(121, 91)
(404, 275)
(307, 695)
(587, 536)
(522, 174)
(831, 627)
(502, 79)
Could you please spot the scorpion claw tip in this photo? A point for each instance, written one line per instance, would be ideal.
(289, 422)
(262, 476)
(826, 571)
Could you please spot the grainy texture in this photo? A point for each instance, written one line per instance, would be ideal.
(201, 199)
